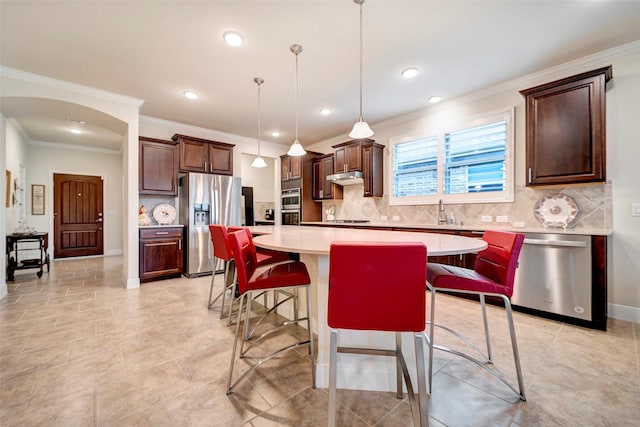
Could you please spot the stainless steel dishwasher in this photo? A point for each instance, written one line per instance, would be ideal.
(554, 275)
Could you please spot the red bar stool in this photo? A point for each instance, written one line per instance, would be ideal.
(379, 287)
(222, 250)
(493, 275)
(253, 278)
(265, 257)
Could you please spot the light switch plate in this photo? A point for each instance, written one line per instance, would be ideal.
(502, 218)
(635, 209)
(486, 218)
(396, 217)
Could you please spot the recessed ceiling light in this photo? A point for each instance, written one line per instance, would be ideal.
(275, 133)
(233, 38)
(324, 111)
(409, 73)
(75, 130)
(435, 99)
(190, 94)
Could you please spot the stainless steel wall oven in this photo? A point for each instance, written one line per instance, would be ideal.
(291, 217)
(291, 199)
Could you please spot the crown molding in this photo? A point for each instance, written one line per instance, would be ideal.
(577, 66)
(58, 145)
(185, 129)
(72, 87)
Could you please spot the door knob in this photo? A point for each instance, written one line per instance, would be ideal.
(99, 220)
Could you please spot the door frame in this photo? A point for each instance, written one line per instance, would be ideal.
(50, 206)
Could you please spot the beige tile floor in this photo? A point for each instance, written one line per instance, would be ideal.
(77, 349)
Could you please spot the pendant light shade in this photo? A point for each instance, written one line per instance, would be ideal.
(259, 162)
(296, 148)
(361, 129)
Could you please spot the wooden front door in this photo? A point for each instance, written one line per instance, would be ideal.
(78, 217)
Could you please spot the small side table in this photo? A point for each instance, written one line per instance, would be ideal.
(16, 243)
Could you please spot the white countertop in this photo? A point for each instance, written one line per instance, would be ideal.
(317, 240)
(539, 229)
(160, 226)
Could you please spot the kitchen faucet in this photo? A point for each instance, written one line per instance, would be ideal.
(442, 216)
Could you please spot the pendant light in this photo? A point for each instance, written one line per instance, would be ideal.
(259, 162)
(296, 148)
(361, 129)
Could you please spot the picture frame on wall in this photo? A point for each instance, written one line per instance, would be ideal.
(37, 199)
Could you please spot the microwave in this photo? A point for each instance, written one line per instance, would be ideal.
(291, 199)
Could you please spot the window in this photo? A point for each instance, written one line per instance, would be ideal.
(468, 163)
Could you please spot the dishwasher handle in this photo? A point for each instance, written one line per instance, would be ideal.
(548, 242)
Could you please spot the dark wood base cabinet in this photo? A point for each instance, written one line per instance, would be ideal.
(160, 253)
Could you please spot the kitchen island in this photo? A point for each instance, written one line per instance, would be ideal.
(313, 244)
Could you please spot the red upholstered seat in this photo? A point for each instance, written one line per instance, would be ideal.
(222, 250)
(494, 270)
(253, 278)
(493, 275)
(264, 256)
(379, 286)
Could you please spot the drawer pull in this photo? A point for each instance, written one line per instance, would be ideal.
(161, 233)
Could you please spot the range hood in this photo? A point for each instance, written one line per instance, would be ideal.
(346, 178)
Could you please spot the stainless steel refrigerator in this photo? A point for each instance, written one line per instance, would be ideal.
(206, 199)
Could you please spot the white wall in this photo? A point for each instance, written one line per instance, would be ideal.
(44, 160)
(3, 209)
(261, 179)
(623, 169)
(623, 153)
(16, 156)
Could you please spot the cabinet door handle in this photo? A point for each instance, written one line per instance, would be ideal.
(205, 167)
(180, 244)
(529, 175)
(158, 233)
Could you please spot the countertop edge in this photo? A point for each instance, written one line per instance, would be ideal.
(580, 231)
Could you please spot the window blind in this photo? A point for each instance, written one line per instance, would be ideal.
(415, 167)
(475, 159)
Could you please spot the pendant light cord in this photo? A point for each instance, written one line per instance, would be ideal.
(296, 103)
(259, 113)
(259, 81)
(361, 62)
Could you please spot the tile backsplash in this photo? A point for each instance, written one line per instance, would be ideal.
(594, 206)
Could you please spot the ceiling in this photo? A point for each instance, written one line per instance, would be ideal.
(154, 50)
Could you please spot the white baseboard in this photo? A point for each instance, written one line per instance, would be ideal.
(623, 312)
(3, 290)
(132, 283)
(113, 252)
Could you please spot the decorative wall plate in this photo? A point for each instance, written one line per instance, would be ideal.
(556, 210)
(164, 214)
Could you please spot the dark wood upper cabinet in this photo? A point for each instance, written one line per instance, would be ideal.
(362, 155)
(348, 156)
(157, 167)
(565, 129)
(204, 156)
(372, 169)
(323, 189)
(290, 167)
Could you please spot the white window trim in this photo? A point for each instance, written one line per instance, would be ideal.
(506, 196)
